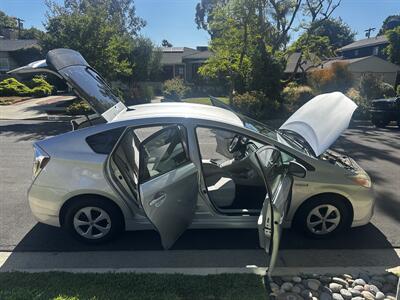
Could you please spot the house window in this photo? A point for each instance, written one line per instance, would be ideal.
(180, 71)
(4, 64)
(376, 50)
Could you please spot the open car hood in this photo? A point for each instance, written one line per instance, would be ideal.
(322, 120)
(70, 66)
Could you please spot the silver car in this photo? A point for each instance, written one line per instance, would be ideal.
(173, 166)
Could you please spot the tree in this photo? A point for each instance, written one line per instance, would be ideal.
(11, 22)
(165, 43)
(313, 48)
(31, 33)
(147, 61)
(102, 30)
(7, 21)
(389, 23)
(393, 49)
(338, 32)
(249, 37)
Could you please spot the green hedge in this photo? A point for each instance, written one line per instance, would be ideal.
(37, 87)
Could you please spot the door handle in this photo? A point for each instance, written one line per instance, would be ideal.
(158, 199)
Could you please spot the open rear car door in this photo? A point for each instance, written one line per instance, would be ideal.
(168, 183)
(278, 183)
(70, 66)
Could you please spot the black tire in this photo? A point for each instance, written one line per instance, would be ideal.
(305, 212)
(115, 219)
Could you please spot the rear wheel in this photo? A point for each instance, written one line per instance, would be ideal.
(323, 216)
(93, 220)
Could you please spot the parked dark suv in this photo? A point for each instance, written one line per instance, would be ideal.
(383, 111)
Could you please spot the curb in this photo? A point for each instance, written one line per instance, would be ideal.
(290, 262)
(284, 271)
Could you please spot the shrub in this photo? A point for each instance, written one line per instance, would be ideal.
(398, 90)
(387, 90)
(37, 87)
(255, 104)
(12, 87)
(175, 89)
(295, 96)
(146, 93)
(79, 107)
(362, 111)
(40, 87)
(335, 78)
(372, 87)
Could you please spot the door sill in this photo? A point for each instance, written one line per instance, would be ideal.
(239, 212)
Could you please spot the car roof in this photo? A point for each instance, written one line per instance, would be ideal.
(179, 110)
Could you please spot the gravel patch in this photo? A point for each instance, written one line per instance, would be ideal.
(338, 287)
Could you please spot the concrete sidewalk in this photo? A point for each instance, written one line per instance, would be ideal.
(192, 262)
(34, 108)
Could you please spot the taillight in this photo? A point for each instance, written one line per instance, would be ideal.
(40, 160)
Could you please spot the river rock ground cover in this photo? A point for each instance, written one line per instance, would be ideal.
(341, 287)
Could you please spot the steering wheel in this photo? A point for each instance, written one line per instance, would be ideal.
(234, 144)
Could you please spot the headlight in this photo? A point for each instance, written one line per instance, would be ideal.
(362, 180)
(40, 160)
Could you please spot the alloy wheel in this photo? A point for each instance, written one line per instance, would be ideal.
(92, 222)
(323, 219)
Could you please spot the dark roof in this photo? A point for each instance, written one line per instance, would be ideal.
(292, 61)
(177, 55)
(14, 45)
(199, 55)
(374, 41)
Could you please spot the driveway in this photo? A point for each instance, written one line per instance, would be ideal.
(34, 108)
(377, 150)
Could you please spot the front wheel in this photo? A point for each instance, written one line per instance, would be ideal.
(322, 217)
(93, 220)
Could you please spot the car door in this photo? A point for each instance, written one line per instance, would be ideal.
(277, 201)
(168, 183)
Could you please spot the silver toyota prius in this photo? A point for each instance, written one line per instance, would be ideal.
(173, 166)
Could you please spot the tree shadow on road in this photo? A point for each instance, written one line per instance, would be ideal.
(46, 238)
(32, 131)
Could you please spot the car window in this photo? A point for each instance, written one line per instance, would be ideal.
(105, 141)
(162, 152)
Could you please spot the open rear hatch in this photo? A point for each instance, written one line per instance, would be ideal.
(70, 66)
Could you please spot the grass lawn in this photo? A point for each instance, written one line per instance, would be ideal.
(205, 100)
(68, 286)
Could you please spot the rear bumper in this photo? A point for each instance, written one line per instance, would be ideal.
(45, 204)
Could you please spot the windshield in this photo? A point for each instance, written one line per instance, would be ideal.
(274, 134)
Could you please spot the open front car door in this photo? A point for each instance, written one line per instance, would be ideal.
(168, 183)
(278, 182)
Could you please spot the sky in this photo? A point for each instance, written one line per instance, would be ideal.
(174, 19)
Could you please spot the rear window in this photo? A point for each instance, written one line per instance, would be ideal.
(104, 142)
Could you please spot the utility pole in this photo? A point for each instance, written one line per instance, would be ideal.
(368, 32)
(20, 25)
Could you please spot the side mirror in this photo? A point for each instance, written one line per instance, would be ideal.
(296, 169)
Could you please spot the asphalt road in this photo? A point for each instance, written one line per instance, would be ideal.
(376, 150)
